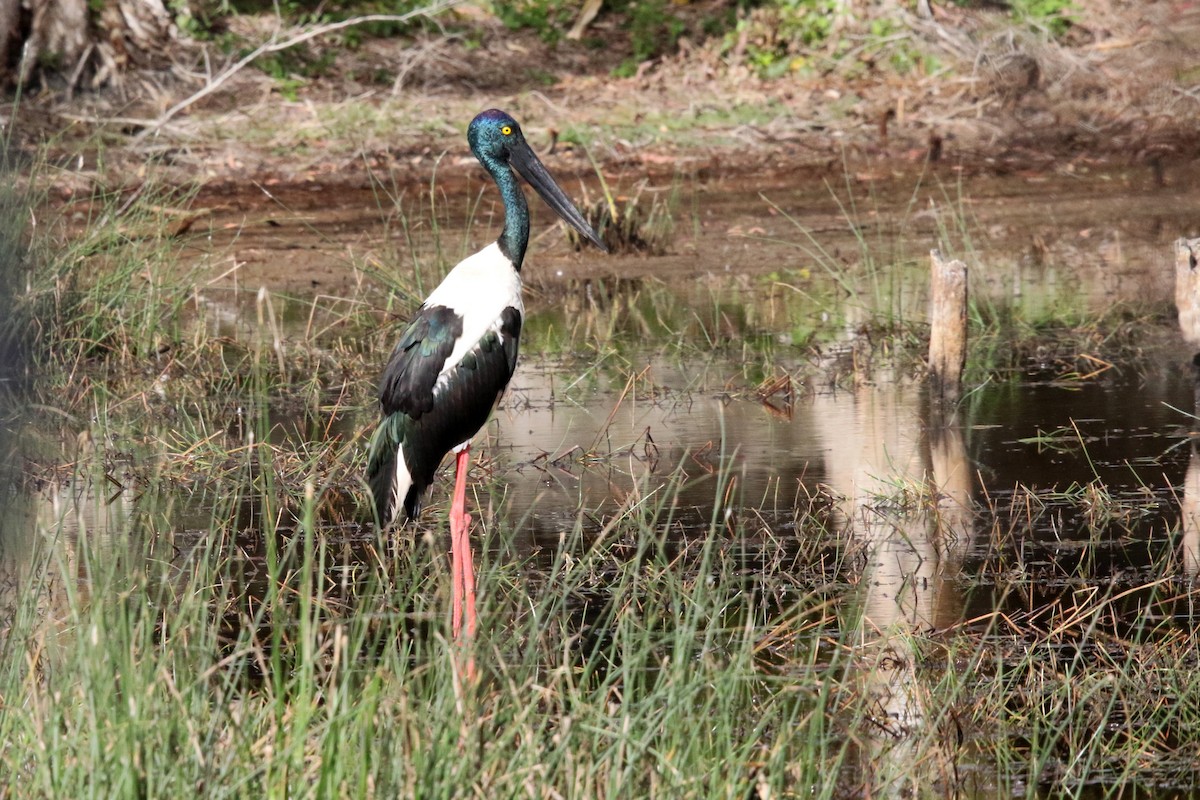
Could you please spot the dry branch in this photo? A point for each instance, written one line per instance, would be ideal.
(275, 45)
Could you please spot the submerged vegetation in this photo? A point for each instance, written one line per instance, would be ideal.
(192, 601)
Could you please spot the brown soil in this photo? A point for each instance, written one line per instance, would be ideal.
(319, 176)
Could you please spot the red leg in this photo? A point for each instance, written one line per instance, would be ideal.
(456, 569)
(468, 576)
(462, 565)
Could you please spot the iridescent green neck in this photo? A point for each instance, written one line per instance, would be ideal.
(515, 236)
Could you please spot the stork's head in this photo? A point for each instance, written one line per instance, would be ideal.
(497, 141)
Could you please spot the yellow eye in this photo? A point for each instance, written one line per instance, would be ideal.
(506, 130)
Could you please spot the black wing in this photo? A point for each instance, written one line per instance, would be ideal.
(464, 398)
(417, 360)
(427, 417)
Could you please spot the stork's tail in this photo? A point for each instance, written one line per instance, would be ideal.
(388, 475)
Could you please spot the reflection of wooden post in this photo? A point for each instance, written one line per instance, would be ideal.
(952, 479)
(948, 325)
(1189, 508)
(1187, 288)
(1189, 505)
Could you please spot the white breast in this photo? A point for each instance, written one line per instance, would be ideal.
(478, 290)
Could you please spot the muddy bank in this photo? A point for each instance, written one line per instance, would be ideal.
(1102, 236)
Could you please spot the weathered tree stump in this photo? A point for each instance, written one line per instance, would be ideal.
(948, 326)
(1187, 288)
(83, 42)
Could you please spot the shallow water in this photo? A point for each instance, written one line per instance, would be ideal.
(1037, 487)
(1072, 479)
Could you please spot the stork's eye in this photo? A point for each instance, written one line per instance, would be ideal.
(506, 130)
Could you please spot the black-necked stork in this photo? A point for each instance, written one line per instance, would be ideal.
(459, 352)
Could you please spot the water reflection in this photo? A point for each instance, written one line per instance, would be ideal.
(1189, 501)
(48, 542)
(1189, 507)
(904, 479)
(901, 473)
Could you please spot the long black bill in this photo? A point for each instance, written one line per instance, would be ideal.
(527, 163)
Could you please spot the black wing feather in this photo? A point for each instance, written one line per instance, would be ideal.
(408, 380)
(429, 417)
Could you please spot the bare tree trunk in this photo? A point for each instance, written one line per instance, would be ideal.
(57, 36)
(67, 38)
(10, 36)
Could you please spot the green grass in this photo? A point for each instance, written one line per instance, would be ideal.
(295, 655)
(324, 674)
(224, 624)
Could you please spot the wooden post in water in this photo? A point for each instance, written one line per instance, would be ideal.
(1187, 288)
(948, 326)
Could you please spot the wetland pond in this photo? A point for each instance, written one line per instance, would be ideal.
(753, 385)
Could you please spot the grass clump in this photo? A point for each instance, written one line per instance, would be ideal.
(650, 652)
(320, 666)
(626, 225)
